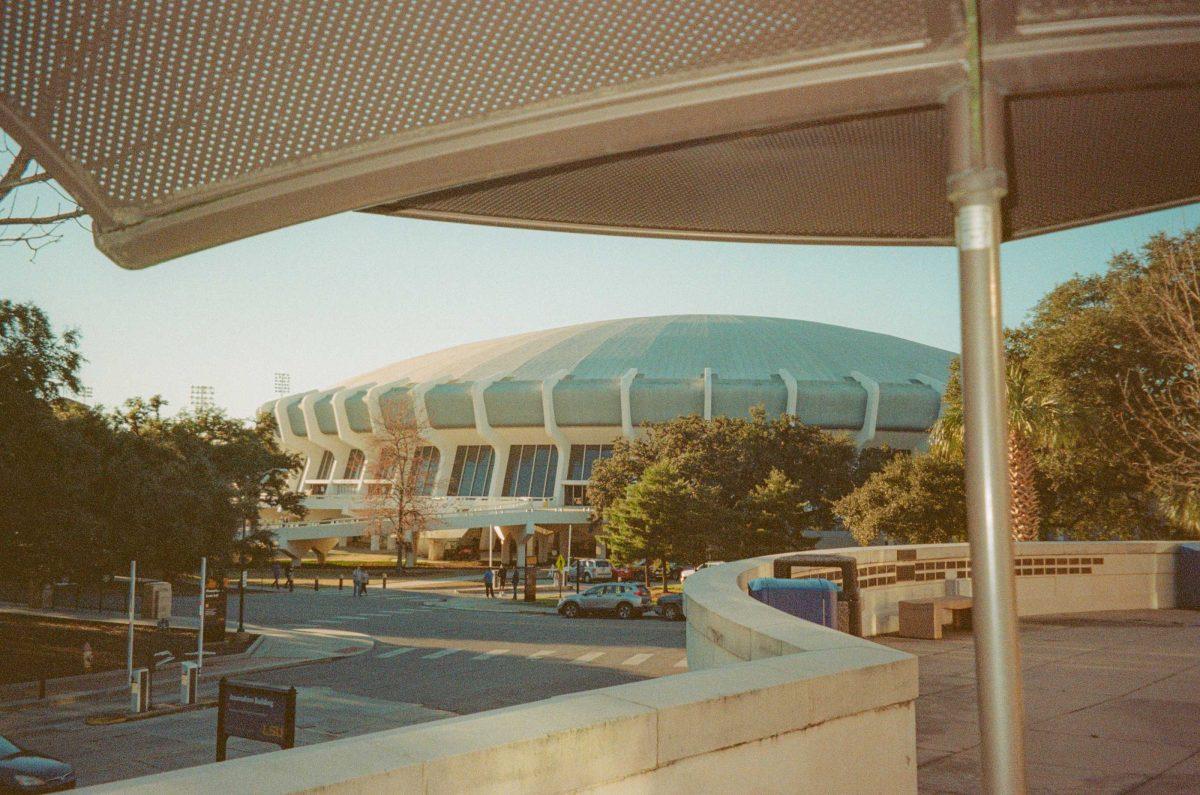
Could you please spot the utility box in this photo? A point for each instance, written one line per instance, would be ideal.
(814, 600)
(156, 600)
(189, 682)
(1187, 576)
(139, 690)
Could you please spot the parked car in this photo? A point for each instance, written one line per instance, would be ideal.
(637, 570)
(590, 570)
(670, 606)
(22, 770)
(683, 575)
(626, 600)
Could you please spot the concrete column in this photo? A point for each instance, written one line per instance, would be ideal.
(390, 542)
(374, 542)
(626, 404)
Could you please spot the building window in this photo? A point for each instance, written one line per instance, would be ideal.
(575, 494)
(325, 467)
(531, 470)
(472, 473)
(354, 465)
(428, 460)
(584, 457)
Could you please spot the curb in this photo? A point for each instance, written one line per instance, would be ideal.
(73, 697)
(542, 611)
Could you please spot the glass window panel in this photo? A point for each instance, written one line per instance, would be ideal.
(456, 472)
(483, 473)
(551, 472)
(326, 466)
(510, 471)
(468, 474)
(525, 470)
(537, 484)
(575, 466)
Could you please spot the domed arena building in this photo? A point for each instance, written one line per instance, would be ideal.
(514, 425)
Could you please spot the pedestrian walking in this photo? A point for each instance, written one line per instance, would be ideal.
(287, 571)
(503, 575)
(487, 584)
(366, 580)
(357, 577)
(276, 572)
(516, 578)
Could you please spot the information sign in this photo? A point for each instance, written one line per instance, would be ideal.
(266, 713)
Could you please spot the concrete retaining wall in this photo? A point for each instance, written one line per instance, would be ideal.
(1052, 577)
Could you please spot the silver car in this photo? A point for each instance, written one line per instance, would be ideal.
(625, 599)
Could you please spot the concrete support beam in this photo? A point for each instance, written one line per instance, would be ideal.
(330, 442)
(491, 435)
(789, 381)
(871, 415)
(708, 390)
(561, 442)
(294, 441)
(626, 407)
(364, 442)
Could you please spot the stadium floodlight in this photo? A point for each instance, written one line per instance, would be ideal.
(834, 121)
(202, 397)
(283, 383)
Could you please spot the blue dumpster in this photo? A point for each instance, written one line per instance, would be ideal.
(1187, 576)
(813, 600)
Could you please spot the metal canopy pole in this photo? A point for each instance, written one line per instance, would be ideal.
(977, 183)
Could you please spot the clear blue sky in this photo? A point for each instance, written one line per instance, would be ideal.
(339, 296)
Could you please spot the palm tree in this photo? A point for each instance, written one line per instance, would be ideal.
(1034, 420)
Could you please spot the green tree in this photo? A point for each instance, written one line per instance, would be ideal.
(914, 499)
(655, 519)
(756, 485)
(1036, 422)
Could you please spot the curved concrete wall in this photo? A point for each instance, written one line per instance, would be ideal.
(1052, 577)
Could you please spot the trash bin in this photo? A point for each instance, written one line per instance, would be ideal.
(812, 599)
(1187, 576)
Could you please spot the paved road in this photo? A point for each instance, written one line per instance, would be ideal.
(461, 660)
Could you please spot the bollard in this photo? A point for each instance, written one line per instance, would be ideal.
(139, 691)
(385, 581)
(339, 582)
(316, 584)
(189, 681)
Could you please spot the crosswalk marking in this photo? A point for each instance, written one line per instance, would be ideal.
(352, 618)
(537, 655)
(591, 655)
(394, 652)
(438, 654)
(490, 655)
(682, 663)
(395, 612)
(325, 621)
(637, 659)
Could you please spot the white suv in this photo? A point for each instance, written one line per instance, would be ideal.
(590, 570)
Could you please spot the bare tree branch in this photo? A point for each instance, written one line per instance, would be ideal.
(41, 220)
(401, 470)
(20, 202)
(1162, 405)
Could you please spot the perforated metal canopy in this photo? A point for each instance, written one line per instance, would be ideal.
(179, 126)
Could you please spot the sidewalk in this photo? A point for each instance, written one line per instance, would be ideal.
(275, 648)
(504, 604)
